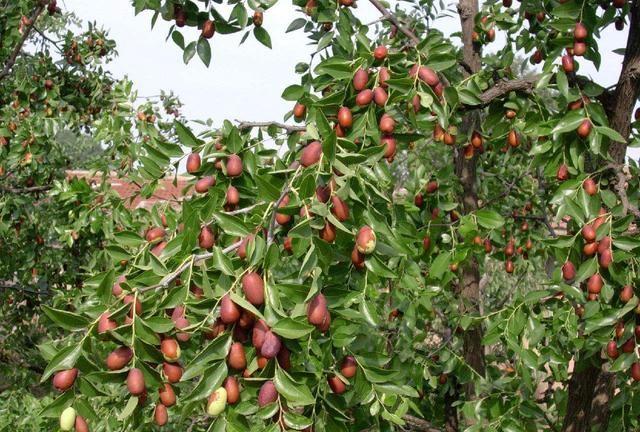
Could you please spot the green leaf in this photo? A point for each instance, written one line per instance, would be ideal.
(129, 408)
(263, 36)
(569, 122)
(612, 134)
(489, 219)
(66, 320)
(65, 359)
(185, 135)
(296, 24)
(232, 225)
(293, 92)
(204, 51)
(295, 393)
(212, 378)
(292, 329)
(189, 52)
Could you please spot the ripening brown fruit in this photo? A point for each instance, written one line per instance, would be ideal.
(588, 233)
(339, 208)
(284, 358)
(431, 186)
(513, 139)
(426, 243)
(232, 196)
(389, 143)
(507, 3)
(233, 389)
(246, 319)
(365, 97)
(135, 382)
(380, 53)
(387, 124)
(383, 76)
(336, 384)
(590, 249)
(234, 165)
(299, 111)
(193, 163)
(580, 32)
(349, 367)
(311, 154)
(537, 57)
(629, 346)
(81, 424)
(267, 394)
(619, 4)
(208, 29)
(568, 65)
(229, 311)
(137, 307)
(476, 139)
(635, 371)
(626, 293)
(253, 288)
(418, 200)
(366, 240)
(260, 329)
(590, 186)
(612, 350)
(283, 218)
(236, 358)
(63, 380)
(510, 114)
(119, 358)
(605, 258)
(579, 48)
(258, 18)
(584, 129)
(360, 79)
(509, 266)
(317, 310)
(345, 118)
(160, 415)
(380, 96)
(357, 258)
(429, 76)
(438, 132)
(509, 249)
(155, 234)
(173, 372)
(563, 172)
(170, 350)
(167, 395)
(204, 184)
(449, 139)
(594, 284)
(488, 247)
(328, 232)
(271, 345)
(206, 239)
(105, 324)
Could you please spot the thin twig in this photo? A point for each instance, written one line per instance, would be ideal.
(185, 265)
(32, 189)
(289, 128)
(16, 51)
(394, 20)
(244, 209)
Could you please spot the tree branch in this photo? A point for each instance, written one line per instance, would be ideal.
(392, 19)
(504, 87)
(419, 425)
(32, 189)
(289, 128)
(245, 209)
(16, 51)
(164, 283)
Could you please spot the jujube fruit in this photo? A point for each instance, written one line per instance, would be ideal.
(167, 395)
(233, 390)
(68, 419)
(204, 184)
(380, 52)
(63, 380)
(360, 79)
(364, 98)
(119, 358)
(232, 196)
(172, 371)
(253, 288)
(311, 154)
(217, 402)
(208, 29)
(345, 118)
(366, 240)
(387, 124)
(81, 424)
(229, 311)
(160, 415)
(234, 165)
(193, 163)
(349, 367)
(236, 358)
(336, 385)
(594, 284)
(135, 382)
(317, 310)
(271, 345)
(206, 239)
(170, 350)
(267, 394)
(339, 208)
(258, 334)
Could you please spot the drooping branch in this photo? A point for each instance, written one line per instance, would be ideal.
(25, 35)
(503, 88)
(31, 189)
(394, 20)
(290, 129)
(419, 425)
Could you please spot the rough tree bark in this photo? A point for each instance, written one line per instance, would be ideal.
(590, 388)
(469, 288)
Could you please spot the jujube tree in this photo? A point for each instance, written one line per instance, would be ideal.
(347, 278)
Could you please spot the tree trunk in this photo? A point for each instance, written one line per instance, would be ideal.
(591, 389)
(473, 351)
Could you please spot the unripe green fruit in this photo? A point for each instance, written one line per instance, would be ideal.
(68, 419)
(217, 402)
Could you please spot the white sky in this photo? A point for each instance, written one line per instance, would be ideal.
(243, 82)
